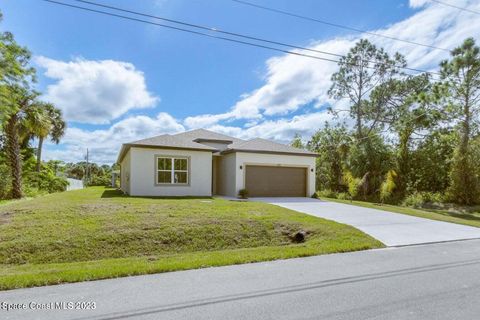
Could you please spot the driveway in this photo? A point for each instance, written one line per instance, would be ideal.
(393, 229)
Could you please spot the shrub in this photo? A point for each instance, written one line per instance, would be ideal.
(44, 180)
(388, 186)
(32, 192)
(243, 193)
(344, 196)
(327, 193)
(352, 184)
(420, 199)
(104, 180)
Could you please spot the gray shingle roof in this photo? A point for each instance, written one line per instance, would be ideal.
(173, 141)
(164, 141)
(263, 145)
(202, 134)
(188, 140)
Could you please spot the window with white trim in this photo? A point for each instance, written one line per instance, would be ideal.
(172, 170)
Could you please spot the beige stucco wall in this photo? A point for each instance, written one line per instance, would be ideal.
(226, 175)
(142, 175)
(125, 174)
(244, 158)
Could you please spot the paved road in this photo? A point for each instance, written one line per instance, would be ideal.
(436, 281)
(393, 229)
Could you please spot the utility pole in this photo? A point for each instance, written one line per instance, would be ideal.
(87, 171)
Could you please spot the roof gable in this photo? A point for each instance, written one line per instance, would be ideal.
(207, 135)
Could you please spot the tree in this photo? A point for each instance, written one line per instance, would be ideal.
(49, 122)
(332, 144)
(461, 79)
(370, 161)
(15, 96)
(408, 109)
(19, 110)
(297, 141)
(431, 161)
(38, 124)
(360, 71)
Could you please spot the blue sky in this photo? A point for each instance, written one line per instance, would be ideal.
(119, 81)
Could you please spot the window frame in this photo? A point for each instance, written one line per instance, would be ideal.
(172, 171)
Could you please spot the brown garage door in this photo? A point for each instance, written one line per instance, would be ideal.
(263, 181)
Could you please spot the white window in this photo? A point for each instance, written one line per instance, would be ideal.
(172, 170)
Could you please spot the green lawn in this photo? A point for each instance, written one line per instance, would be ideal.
(98, 233)
(454, 216)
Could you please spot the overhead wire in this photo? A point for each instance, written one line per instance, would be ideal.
(215, 30)
(336, 25)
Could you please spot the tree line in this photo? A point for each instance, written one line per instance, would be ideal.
(405, 137)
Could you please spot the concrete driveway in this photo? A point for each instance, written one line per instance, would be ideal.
(393, 229)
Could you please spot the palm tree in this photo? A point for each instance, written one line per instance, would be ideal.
(48, 121)
(21, 106)
(16, 75)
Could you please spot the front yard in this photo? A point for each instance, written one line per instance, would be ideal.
(98, 233)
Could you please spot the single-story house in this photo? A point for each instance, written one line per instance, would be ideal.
(206, 163)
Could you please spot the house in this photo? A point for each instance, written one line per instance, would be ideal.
(205, 163)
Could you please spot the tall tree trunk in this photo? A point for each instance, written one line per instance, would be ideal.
(465, 136)
(39, 153)
(359, 107)
(359, 122)
(14, 156)
(403, 161)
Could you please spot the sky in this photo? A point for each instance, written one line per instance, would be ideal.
(118, 81)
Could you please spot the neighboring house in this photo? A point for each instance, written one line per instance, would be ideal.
(205, 163)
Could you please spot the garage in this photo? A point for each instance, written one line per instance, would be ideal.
(276, 181)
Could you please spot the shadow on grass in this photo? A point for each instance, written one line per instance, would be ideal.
(115, 193)
(465, 216)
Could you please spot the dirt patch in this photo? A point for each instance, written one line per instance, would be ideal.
(5, 217)
(106, 208)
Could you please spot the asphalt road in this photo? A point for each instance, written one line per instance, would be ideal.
(436, 281)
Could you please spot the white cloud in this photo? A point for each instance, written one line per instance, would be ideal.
(205, 120)
(418, 3)
(281, 130)
(95, 91)
(292, 82)
(104, 145)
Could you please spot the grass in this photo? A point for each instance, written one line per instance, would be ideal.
(98, 233)
(448, 215)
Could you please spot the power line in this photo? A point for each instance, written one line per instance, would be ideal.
(454, 6)
(209, 28)
(189, 31)
(336, 25)
(219, 31)
(226, 32)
